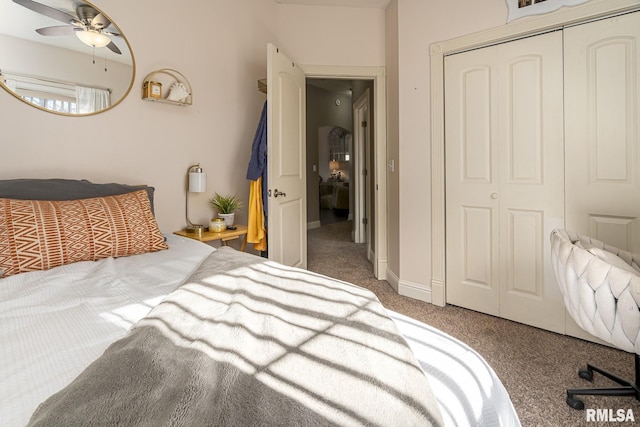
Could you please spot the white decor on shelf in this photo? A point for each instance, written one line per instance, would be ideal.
(176, 88)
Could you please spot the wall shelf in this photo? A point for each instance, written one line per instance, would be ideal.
(262, 86)
(167, 77)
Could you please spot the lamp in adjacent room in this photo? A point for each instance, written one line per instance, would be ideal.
(334, 165)
(196, 183)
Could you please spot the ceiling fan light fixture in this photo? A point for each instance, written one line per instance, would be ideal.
(93, 38)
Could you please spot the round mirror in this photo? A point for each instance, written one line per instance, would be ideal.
(63, 56)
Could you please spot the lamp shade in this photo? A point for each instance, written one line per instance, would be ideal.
(334, 165)
(93, 38)
(197, 179)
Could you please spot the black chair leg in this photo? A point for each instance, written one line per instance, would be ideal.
(627, 388)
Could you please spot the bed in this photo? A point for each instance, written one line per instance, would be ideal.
(186, 334)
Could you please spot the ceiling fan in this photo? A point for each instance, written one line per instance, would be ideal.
(89, 25)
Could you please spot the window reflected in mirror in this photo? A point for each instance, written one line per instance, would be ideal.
(339, 141)
(339, 145)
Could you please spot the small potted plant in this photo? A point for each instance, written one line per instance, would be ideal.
(226, 206)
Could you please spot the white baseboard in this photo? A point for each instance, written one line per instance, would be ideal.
(414, 290)
(438, 296)
(380, 268)
(313, 224)
(408, 289)
(393, 279)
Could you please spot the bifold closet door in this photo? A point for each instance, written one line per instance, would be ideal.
(504, 179)
(471, 150)
(602, 98)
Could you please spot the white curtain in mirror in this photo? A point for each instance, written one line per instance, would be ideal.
(91, 99)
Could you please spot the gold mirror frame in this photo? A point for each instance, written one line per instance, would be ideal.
(92, 60)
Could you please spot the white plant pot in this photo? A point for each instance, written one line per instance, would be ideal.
(228, 218)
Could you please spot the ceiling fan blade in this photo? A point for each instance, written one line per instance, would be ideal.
(112, 46)
(56, 31)
(46, 10)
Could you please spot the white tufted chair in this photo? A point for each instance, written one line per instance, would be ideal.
(601, 289)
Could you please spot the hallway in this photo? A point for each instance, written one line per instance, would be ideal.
(331, 252)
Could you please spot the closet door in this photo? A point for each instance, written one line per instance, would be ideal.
(602, 98)
(504, 179)
(531, 164)
(472, 186)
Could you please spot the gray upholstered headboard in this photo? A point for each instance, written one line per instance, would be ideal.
(64, 189)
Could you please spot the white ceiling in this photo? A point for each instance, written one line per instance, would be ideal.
(380, 4)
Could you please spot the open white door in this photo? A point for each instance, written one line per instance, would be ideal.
(286, 154)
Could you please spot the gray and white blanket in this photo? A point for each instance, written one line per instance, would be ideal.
(250, 342)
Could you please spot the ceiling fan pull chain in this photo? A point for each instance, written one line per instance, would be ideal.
(105, 61)
(93, 50)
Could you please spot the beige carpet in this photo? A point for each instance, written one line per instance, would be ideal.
(536, 366)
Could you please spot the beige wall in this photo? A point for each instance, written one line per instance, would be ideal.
(144, 142)
(320, 35)
(221, 48)
(420, 24)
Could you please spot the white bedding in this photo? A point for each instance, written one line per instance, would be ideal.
(53, 324)
(466, 387)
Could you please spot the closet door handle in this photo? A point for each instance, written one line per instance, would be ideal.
(494, 195)
(277, 193)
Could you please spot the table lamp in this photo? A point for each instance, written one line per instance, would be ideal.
(334, 166)
(197, 183)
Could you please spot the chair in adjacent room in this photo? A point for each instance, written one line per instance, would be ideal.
(601, 289)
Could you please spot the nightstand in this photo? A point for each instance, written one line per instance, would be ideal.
(224, 236)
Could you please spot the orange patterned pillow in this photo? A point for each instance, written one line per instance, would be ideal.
(39, 235)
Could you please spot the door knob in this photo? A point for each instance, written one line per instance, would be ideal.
(277, 193)
(494, 195)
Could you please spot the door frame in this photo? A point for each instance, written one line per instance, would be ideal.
(378, 76)
(536, 25)
(361, 161)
